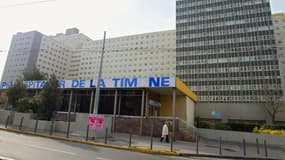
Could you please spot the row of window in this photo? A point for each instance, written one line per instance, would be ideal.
(229, 69)
(233, 99)
(219, 3)
(252, 87)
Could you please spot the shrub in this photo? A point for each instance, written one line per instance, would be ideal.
(272, 132)
(243, 127)
(222, 126)
(205, 124)
(273, 127)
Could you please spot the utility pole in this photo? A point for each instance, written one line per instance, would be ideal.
(97, 94)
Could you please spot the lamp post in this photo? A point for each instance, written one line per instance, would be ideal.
(97, 94)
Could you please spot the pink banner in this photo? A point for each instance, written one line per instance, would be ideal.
(96, 122)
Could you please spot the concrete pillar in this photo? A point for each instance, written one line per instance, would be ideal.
(75, 103)
(119, 111)
(70, 102)
(146, 103)
(142, 112)
(174, 116)
(115, 110)
(190, 112)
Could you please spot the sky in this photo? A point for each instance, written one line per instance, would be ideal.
(91, 17)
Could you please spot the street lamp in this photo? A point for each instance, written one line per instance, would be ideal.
(97, 94)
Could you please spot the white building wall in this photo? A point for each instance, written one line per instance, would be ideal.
(76, 56)
(235, 111)
(21, 55)
(53, 58)
(279, 32)
(142, 55)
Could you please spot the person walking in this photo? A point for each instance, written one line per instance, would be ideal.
(164, 133)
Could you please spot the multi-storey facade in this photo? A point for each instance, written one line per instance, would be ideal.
(279, 31)
(50, 54)
(23, 54)
(75, 56)
(226, 50)
(142, 55)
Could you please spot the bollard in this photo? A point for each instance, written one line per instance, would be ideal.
(21, 123)
(220, 145)
(87, 133)
(257, 147)
(244, 147)
(197, 145)
(130, 140)
(51, 128)
(106, 135)
(68, 128)
(7, 121)
(36, 126)
(151, 138)
(265, 148)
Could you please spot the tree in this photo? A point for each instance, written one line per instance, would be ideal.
(273, 102)
(51, 98)
(17, 91)
(3, 97)
(34, 74)
(273, 107)
(28, 104)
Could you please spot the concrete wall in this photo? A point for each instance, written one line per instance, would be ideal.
(127, 124)
(166, 106)
(243, 111)
(190, 112)
(77, 128)
(3, 116)
(232, 136)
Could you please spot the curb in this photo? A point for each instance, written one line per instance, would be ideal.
(134, 149)
(229, 157)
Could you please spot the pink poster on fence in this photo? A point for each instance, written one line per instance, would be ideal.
(96, 122)
(92, 121)
(100, 122)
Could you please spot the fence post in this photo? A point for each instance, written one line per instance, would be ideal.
(151, 137)
(265, 148)
(36, 125)
(68, 127)
(197, 144)
(106, 135)
(51, 128)
(257, 146)
(130, 139)
(244, 147)
(87, 133)
(7, 121)
(220, 145)
(21, 123)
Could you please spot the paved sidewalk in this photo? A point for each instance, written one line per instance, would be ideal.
(206, 147)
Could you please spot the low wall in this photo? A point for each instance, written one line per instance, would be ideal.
(233, 136)
(77, 128)
(3, 116)
(125, 124)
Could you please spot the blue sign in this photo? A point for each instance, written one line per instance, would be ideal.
(152, 82)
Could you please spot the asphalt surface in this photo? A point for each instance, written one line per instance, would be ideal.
(23, 147)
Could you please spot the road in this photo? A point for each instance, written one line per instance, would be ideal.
(23, 147)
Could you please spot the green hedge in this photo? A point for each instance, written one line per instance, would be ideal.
(273, 127)
(243, 127)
